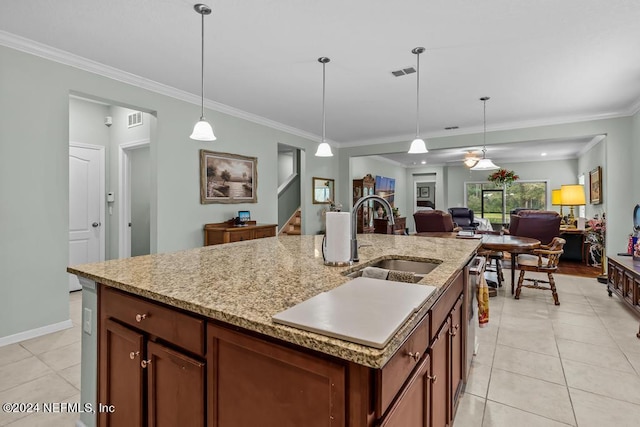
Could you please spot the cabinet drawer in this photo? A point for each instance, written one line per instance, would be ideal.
(168, 324)
(264, 232)
(442, 307)
(394, 374)
(238, 236)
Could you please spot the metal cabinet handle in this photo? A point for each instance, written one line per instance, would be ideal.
(140, 317)
(433, 379)
(415, 356)
(454, 332)
(133, 354)
(145, 363)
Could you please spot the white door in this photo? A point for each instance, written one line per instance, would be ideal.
(86, 212)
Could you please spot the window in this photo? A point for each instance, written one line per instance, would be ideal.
(486, 199)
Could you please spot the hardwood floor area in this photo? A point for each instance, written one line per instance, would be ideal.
(576, 268)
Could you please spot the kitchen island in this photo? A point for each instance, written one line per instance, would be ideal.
(206, 314)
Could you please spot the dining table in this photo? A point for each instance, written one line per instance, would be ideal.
(514, 245)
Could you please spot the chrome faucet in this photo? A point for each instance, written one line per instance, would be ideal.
(354, 221)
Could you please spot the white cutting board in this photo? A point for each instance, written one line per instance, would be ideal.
(364, 310)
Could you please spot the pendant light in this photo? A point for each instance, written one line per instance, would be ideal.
(324, 149)
(485, 164)
(202, 131)
(418, 146)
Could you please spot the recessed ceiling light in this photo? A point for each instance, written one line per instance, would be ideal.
(424, 162)
(543, 154)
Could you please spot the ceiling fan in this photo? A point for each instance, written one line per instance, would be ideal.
(471, 159)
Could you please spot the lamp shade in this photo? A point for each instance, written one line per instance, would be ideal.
(556, 197)
(202, 131)
(485, 165)
(418, 147)
(572, 195)
(324, 150)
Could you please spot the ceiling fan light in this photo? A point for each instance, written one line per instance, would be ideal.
(485, 165)
(418, 147)
(471, 161)
(324, 150)
(202, 131)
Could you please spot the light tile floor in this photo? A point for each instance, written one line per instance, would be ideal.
(43, 369)
(576, 364)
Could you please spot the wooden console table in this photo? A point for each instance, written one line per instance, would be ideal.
(381, 226)
(624, 280)
(227, 232)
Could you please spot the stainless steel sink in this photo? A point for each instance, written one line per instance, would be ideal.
(419, 268)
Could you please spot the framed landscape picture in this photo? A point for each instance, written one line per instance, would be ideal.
(228, 178)
(595, 186)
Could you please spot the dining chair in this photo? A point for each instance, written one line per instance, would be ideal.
(542, 260)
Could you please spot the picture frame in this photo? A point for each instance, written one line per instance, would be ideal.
(424, 192)
(228, 178)
(595, 186)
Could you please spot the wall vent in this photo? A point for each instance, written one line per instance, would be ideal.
(404, 71)
(134, 119)
(451, 127)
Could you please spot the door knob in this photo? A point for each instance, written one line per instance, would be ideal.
(95, 224)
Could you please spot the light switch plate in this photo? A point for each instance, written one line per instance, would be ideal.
(86, 322)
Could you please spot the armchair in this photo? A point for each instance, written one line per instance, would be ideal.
(434, 221)
(540, 225)
(463, 217)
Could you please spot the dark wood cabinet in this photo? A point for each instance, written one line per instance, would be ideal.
(121, 380)
(227, 232)
(257, 383)
(440, 395)
(412, 408)
(364, 187)
(381, 226)
(145, 368)
(624, 280)
(457, 354)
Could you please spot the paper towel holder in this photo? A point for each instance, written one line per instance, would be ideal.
(332, 263)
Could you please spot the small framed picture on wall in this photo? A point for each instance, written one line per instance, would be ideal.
(424, 192)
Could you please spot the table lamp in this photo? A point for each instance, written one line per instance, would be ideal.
(572, 195)
(556, 199)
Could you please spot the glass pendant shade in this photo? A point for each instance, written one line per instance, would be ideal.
(485, 165)
(324, 150)
(202, 131)
(418, 147)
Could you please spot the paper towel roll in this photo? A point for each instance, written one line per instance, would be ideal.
(338, 237)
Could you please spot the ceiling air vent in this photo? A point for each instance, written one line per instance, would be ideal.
(134, 119)
(404, 71)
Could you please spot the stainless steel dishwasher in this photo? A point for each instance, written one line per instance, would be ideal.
(476, 273)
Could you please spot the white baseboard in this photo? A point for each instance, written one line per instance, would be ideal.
(34, 333)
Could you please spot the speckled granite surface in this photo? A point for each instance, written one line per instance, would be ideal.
(245, 283)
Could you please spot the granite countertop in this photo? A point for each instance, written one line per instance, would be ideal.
(245, 283)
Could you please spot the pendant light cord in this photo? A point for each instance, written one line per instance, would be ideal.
(418, 97)
(202, 70)
(323, 94)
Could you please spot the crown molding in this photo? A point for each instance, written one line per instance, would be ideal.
(495, 128)
(635, 108)
(41, 50)
(594, 141)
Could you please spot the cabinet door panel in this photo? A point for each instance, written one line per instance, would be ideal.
(176, 385)
(121, 351)
(456, 353)
(411, 409)
(439, 370)
(257, 383)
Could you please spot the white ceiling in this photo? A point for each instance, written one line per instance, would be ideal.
(544, 61)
